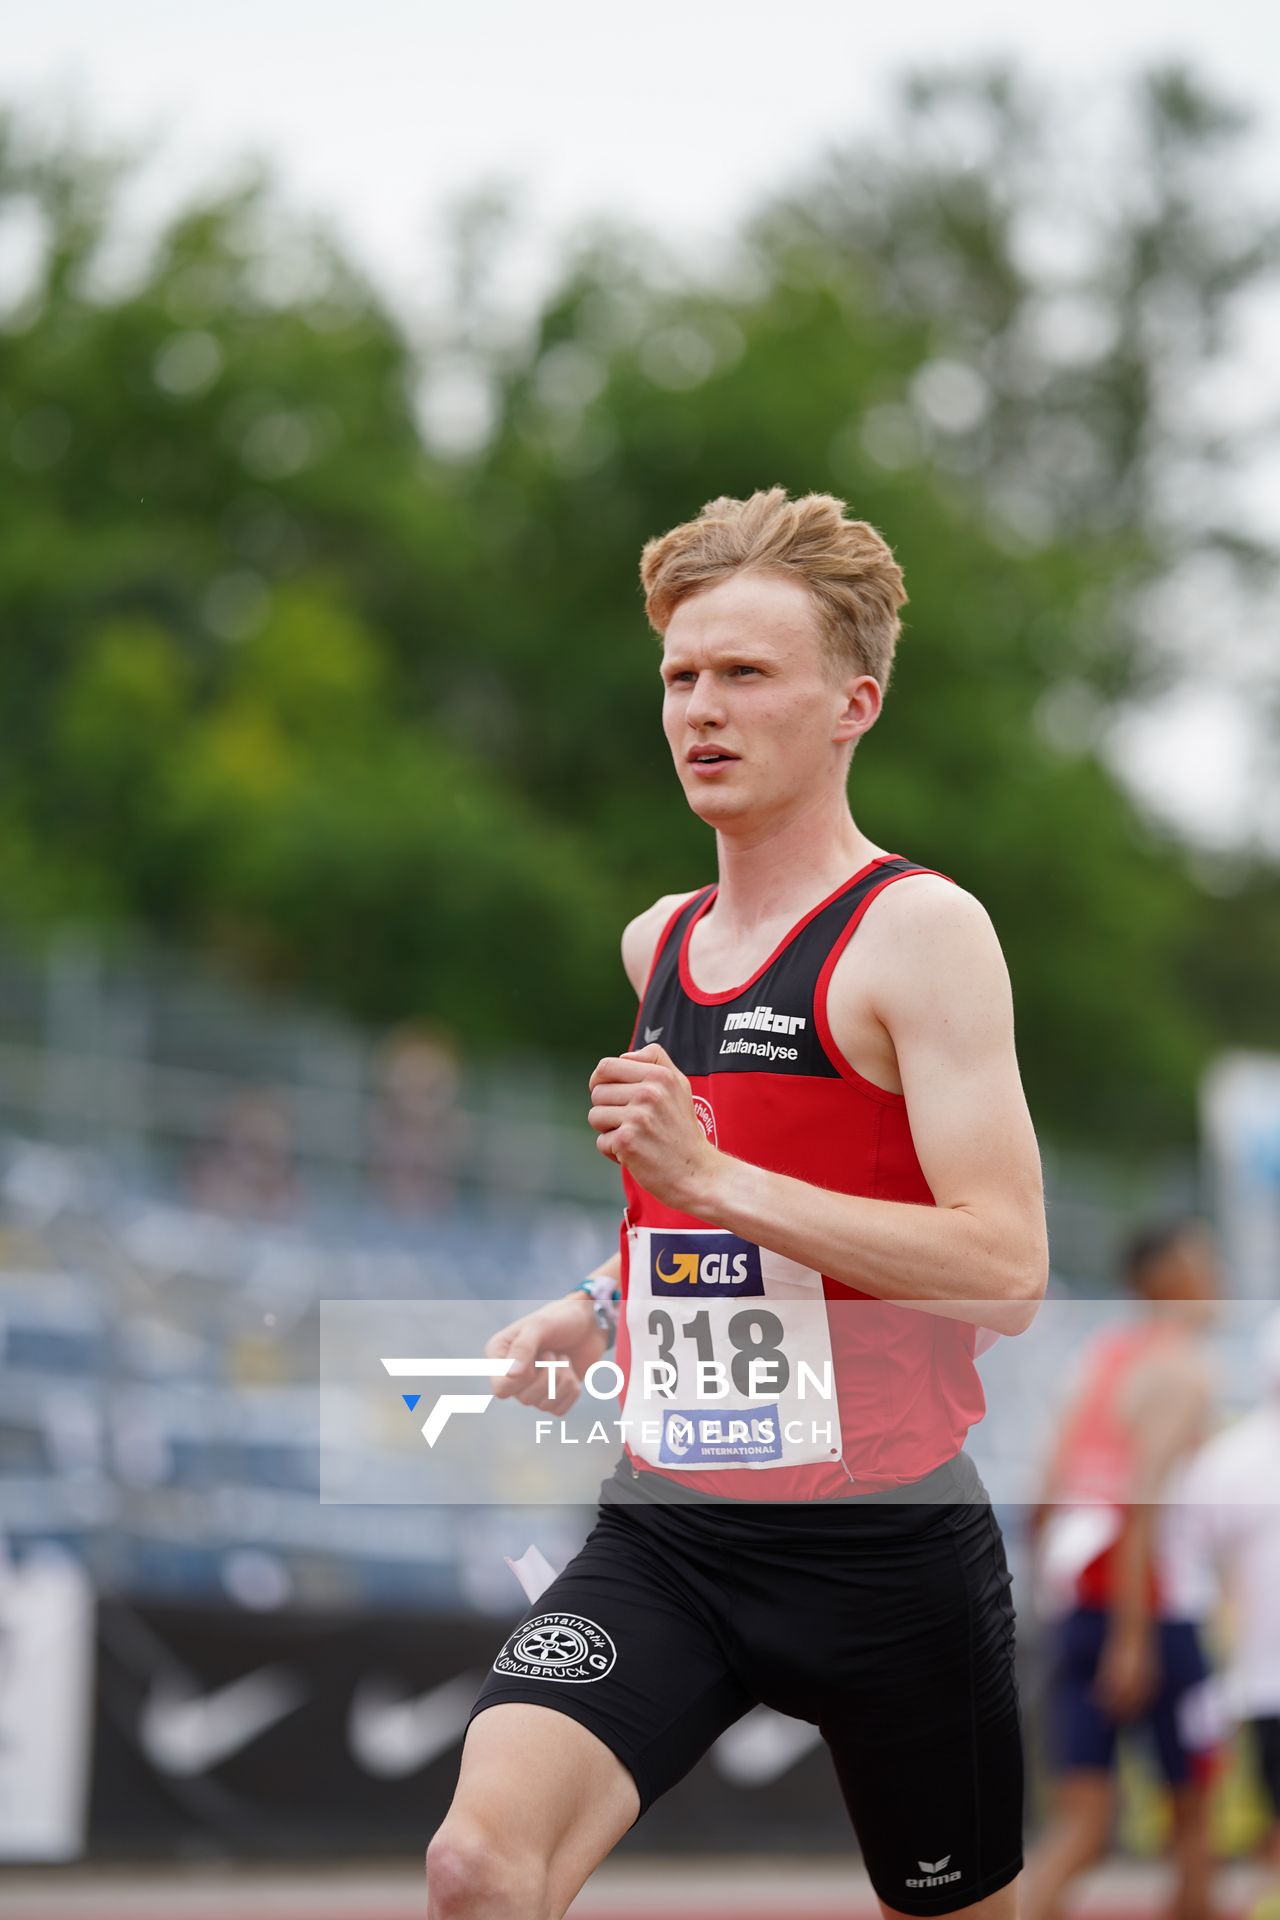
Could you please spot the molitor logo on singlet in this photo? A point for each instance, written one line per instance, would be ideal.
(762, 1020)
(710, 1263)
(698, 1438)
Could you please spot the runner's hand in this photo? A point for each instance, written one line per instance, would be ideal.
(562, 1330)
(642, 1112)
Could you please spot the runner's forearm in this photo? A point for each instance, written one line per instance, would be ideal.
(1167, 1414)
(945, 1259)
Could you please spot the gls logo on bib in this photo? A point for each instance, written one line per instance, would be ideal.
(718, 1264)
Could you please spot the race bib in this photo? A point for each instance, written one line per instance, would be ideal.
(731, 1361)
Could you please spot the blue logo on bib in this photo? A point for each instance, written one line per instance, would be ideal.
(699, 1439)
(719, 1265)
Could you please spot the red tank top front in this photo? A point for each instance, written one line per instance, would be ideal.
(771, 1088)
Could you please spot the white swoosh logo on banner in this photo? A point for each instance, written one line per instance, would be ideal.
(185, 1732)
(392, 1736)
(762, 1747)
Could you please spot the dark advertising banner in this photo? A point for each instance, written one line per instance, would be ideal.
(288, 1734)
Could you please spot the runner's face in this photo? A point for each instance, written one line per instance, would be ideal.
(747, 677)
(1200, 1277)
(1188, 1277)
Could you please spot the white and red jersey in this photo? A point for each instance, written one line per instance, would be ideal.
(771, 1088)
(1228, 1526)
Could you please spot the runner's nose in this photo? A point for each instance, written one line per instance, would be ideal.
(706, 704)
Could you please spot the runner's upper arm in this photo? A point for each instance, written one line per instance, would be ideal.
(940, 988)
(640, 937)
(1167, 1409)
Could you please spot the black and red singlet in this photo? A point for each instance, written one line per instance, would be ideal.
(771, 1088)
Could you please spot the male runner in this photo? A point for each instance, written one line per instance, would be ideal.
(1127, 1651)
(834, 1129)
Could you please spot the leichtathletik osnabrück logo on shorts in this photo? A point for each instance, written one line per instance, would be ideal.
(557, 1646)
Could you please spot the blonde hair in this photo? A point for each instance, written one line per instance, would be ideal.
(852, 576)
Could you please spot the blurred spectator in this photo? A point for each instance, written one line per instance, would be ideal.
(417, 1133)
(1230, 1523)
(248, 1172)
(1126, 1651)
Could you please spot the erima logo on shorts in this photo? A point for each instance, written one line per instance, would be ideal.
(557, 1646)
(934, 1872)
(714, 1263)
(763, 1020)
(697, 1439)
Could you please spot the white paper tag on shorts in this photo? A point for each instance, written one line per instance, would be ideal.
(534, 1572)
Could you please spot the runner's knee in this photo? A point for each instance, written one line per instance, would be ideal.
(1090, 1827)
(1084, 1804)
(476, 1872)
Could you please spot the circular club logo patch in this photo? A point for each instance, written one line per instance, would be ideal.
(558, 1646)
(705, 1117)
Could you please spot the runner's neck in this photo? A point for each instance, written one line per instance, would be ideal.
(769, 880)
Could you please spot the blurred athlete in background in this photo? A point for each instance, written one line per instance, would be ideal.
(1127, 1651)
(1229, 1519)
(818, 1134)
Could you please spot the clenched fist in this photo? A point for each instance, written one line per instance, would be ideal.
(642, 1112)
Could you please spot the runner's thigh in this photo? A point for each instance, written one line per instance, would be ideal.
(626, 1643)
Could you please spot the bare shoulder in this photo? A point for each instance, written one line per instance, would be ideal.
(924, 906)
(924, 943)
(1168, 1405)
(640, 936)
(1183, 1371)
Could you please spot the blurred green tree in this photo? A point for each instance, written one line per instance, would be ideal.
(323, 647)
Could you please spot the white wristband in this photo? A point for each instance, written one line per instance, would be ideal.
(605, 1298)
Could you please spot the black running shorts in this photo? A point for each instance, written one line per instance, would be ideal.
(888, 1626)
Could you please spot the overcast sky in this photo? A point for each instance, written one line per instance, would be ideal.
(681, 112)
(677, 113)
